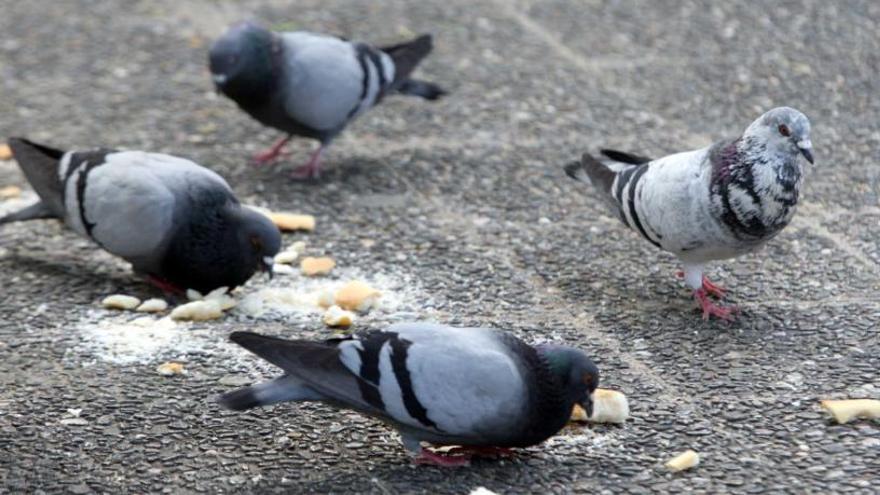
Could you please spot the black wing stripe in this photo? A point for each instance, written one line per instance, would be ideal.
(410, 401)
(634, 182)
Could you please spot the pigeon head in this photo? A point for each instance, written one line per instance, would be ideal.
(258, 238)
(241, 60)
(576, 372)
(784, 131)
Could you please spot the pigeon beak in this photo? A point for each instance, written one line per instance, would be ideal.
(268, 264)
(587, 404)
(806, 148)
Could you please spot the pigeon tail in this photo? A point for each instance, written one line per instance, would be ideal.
(406, 57)
(32, 212)
(283, 389)
(40, 165)
(624, 157)
(422, 89)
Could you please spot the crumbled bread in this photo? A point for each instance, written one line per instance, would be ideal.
(10, 192)
(338, 318)
(222, 297)
(169, 369)
(287, 222)
(316, 266)
(152, 306)
(325, 298)
(197, 311)
(5, 152)
(357, 296)
(286, 257)
(120, 301)
(685, 460)
(609, 406)
(845, 411)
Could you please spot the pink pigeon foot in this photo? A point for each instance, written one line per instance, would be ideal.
(273, 153)
(484, 451)
(430, 458)
(711, 288)
(165, 286)
(312, 169)
(711, 309)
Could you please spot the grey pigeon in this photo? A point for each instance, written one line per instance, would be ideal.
(482, 389)
(176, 222)
(714, 203)
(312, 85)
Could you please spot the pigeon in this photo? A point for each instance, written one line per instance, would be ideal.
(175, 221)
(718, 202)
(481, 389)
(312, 85)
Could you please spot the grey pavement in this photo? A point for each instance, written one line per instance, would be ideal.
(460, 208)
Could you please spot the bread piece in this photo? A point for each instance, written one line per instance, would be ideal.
(844, 411)
(357, 296)
(288, 222)
(609, 406)
(120, 301)
(198, 311)
(313, 267)
(152, 306)
(685, 460)
(337, 317)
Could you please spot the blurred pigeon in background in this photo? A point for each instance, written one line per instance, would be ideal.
(176, 222)
(481, 389)
(718, 202)
(312, 85)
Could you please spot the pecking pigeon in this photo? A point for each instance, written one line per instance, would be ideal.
(481, 389)
(312, 85)
(176, 222)
(714, 203)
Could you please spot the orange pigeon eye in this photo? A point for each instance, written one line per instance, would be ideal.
(784, 130)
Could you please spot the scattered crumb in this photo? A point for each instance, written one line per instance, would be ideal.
(222, 297)
(482, 491)
(279, 269)
(170, 369)
(10, 192)
(5, 152)
(198, 311)
(194, 295)
(312, 267)
(609, 406)
(152, 306)
(287, 222)
(357, 296)
(844, 411)
(120, 301)
(286, 257)
(685, 460)
(338, 318)
(326, 298)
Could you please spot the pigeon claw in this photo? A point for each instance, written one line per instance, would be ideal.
(711, 309)
(312, 169)
(430, 458)
(272, 154)
(713, 289)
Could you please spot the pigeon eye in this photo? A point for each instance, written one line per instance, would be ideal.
(784, 130)
(587, 378)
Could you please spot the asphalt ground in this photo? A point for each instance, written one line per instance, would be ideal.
(460, 212)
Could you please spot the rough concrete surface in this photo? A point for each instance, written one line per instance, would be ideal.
(459, 210)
